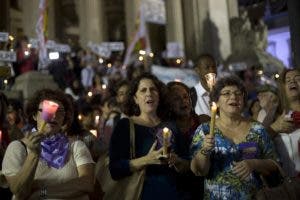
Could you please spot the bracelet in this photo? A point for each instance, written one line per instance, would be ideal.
(43, 192)
(204, 152)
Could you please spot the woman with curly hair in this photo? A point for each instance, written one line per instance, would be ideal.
(145, 108)
(240, 149)
(47, 164)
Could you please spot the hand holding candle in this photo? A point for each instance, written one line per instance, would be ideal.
(210, 80)
(166, 140)
(48, 111)
(213, 118)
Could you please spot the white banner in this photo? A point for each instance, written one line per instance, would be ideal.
(113, 46)
(3, 36)
(63, 48)
(174, 50)
(154, 11)
(34, 43)
(8, 56)
(99, 50)
(168, 74)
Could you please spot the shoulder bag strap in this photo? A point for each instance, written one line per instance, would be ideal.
(132, 138)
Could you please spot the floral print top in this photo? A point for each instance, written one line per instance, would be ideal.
(221, 182)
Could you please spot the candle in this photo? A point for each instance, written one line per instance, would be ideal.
(97, 119)
(210, 80)
(166, 140)
(213, 118)
(48, 111)
(0, 137)
(94, 132)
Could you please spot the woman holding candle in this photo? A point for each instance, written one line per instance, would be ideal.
(187, 121)
(145, 107)
(231, 158)
(45, 164)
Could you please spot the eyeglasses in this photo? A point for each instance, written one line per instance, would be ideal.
(227, 94)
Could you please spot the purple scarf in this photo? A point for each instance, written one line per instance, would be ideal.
(55, 150)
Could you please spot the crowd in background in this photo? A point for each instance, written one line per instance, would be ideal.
(103, 97)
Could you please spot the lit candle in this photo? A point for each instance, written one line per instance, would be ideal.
(48, 111)
(166, 140)
(0, 137)
(97, 118)
(213, 118)
(94, 132)
(210, 80)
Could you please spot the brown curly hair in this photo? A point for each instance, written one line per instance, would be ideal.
(32, 106)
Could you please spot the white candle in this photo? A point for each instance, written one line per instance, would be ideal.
(166, 140)
(213, 118)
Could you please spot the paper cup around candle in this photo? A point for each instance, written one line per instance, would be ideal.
(210, 80)
(49, 110)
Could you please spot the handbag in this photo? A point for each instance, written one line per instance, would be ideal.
(289, 189)
(129, 188)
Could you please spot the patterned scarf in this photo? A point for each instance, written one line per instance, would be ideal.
(55, 150)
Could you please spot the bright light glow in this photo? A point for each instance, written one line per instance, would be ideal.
(53, 55)
(79, 117)
(177, 80)
(90, 94)
(276, 76)
(11, 37)
(94, 132)
(29, 45)
(104, 86)
(11, 50)
(260, 72)
(101, 60)
(178, 61)
(142, 52)
(26, 53)
(141, 58)
(151, 55)
(109, 65)
(5, 82)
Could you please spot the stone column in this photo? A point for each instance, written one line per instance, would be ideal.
(91, 21)
(207, 28)
(131, 13)
(174, 26)
(30, 16)
(294, 15)
(4, 16)
(220, 28)
(233, 8)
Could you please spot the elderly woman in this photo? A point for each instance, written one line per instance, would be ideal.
(187, 121)
(144, 107)
(288, 132)
(45, 163)
(239, 150)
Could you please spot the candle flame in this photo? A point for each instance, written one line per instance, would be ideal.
(94, 132)
(210, 80)
(166, 132)
(214, 106)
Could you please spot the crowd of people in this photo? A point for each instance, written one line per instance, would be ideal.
(60, 158)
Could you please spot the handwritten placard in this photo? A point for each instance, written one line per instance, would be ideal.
(113, 46)
(154, 11)
(8, 56)
(3, 36)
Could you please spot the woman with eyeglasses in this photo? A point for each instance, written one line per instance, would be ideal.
(46, 164)
(239, 151)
